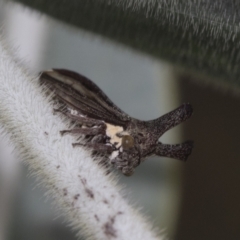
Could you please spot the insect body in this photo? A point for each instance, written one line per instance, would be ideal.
(126, 141)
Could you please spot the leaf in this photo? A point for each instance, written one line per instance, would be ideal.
(196, 35)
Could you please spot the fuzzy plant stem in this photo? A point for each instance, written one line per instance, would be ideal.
(89, 199)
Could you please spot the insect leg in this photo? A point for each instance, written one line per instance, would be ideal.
(125, 163)
(178, 151)
(84, 120)
(81, 119)
(99, 147)
(99, 139)
(85, 131)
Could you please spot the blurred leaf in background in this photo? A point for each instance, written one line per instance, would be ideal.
(197, 35)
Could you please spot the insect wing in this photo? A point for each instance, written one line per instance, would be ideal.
(81, 94)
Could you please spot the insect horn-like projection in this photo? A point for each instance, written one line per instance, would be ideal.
(124, 141)
(164, 123)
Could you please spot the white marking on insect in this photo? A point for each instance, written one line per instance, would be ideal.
(114, 155)
(111, 132)
(73, 112)
(124, 133)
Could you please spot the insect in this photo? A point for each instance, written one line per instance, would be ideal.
(125, 140)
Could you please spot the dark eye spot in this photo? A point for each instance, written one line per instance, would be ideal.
(127, 142)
